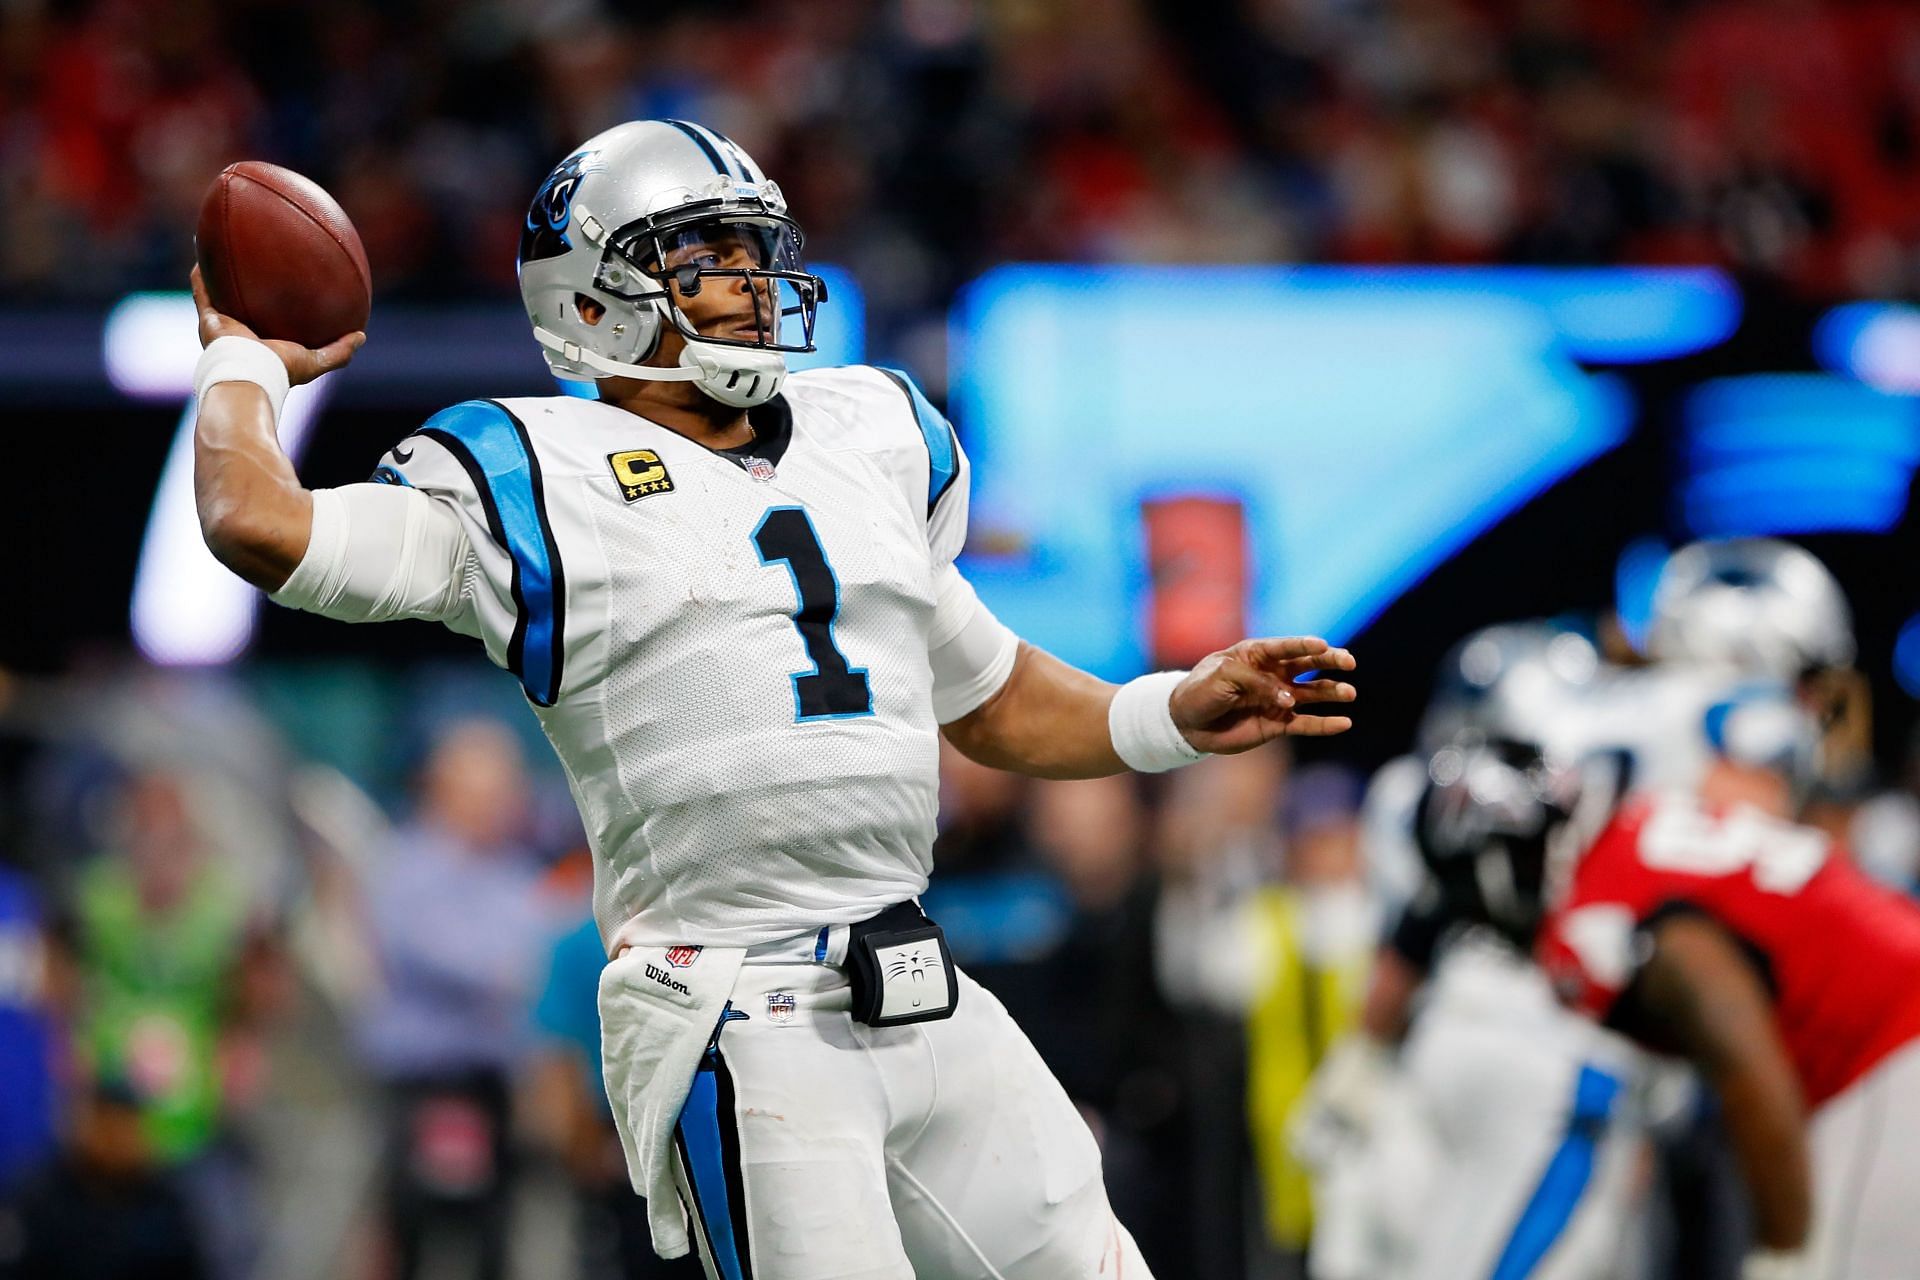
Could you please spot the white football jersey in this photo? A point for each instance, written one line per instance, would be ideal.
(1660, 716)
(729, 653)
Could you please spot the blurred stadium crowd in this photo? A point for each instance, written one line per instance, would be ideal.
(923, 140)
(252, 1027)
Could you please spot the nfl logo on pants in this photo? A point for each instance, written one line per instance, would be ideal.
(780, 1007)
(681, 957)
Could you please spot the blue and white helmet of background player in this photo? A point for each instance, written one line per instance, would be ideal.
(1525, 680)
(600, 229)
(1758, 605)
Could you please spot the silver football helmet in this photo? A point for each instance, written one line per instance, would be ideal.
(1762, 606)
(1524, 680)
(652, 202)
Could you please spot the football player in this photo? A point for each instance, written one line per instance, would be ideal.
(1733, 622)
(1723, 933)
(730, 597)
(1452, 1155)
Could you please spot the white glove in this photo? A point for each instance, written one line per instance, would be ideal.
(1336, 1112)
(1776, 1264)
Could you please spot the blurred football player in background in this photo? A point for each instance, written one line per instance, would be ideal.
(1705, 929)
(1743, 624)
(1499, 1138)
(729, 594)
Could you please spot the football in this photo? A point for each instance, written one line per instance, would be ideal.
(279, 255)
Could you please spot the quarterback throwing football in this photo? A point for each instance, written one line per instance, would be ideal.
(730, 596)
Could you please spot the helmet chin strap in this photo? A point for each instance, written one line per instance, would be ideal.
(593, 360)
(718, 374)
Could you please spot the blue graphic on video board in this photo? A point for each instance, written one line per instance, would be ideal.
(1797, 453)
(1369, 422)
(1876, 342)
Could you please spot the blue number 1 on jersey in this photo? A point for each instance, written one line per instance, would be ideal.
(832, 690)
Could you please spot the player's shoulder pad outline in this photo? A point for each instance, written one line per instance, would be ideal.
(493, 447)
(943, 446)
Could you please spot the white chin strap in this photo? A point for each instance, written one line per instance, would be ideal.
(734, 376)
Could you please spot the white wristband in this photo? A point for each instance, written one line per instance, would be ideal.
(1774, 1264)
(237, 359)
(1140, 721)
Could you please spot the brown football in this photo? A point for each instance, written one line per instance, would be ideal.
(278, 255)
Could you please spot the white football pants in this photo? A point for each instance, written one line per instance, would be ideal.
(816, 1147)
(1866, 1167)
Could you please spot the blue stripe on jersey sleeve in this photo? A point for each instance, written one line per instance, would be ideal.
(943, 450)
(493, 447)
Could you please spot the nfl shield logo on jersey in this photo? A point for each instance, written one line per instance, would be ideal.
(780, 1007)
(681, 957)
(759, 468)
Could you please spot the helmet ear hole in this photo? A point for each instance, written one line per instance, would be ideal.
(591, 310)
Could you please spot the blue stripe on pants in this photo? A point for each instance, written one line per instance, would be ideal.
(1565, 1181)
(706, 1171)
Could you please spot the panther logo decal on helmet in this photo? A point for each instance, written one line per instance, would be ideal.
(545, 234)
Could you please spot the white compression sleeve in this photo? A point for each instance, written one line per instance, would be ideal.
(380, 552)
(971, 651)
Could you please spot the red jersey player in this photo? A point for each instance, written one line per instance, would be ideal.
(1715, 929)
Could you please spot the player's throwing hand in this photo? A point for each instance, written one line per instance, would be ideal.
(1252, 693)
(304, 364)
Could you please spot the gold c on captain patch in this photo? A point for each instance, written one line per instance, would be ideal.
(640, 474)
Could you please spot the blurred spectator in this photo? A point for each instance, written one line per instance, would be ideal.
(105, 1209)
(461, 927)
(1267, 921)
(1319, 928)
(1144, 1072)
(171, 971)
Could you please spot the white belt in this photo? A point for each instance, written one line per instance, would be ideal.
(825, 945)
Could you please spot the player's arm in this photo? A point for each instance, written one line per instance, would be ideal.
(1703, 997)
(1007, 704)
(358, 553)
(254, 513)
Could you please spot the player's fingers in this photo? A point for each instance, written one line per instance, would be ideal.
(340, 350)
(1248, 686)
(321, 360)
(1270, 649)
(1323, 691)
(1326, 660)
(1297, 654)
(1317, 726)
(209, 318)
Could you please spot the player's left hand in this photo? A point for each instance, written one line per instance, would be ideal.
(1238, 698)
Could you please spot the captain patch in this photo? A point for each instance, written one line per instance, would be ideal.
(640, 474)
